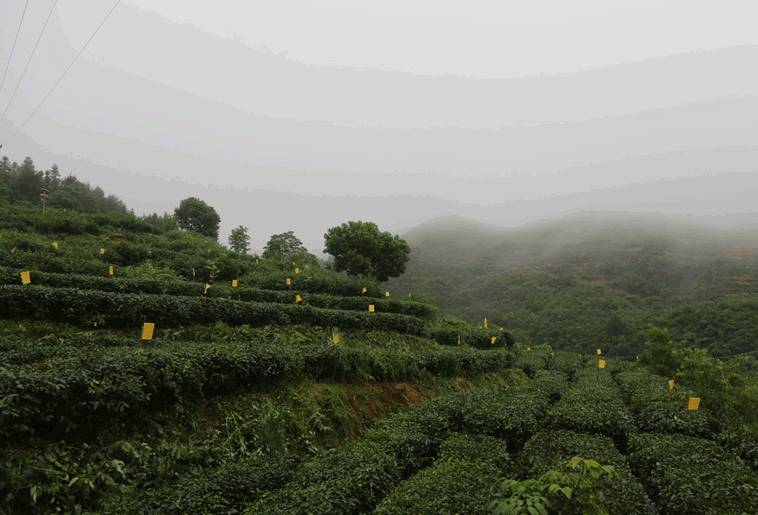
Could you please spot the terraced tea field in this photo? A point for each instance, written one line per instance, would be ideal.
(303, 391)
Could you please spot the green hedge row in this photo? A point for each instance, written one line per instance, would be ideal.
(61, 221)
(547, 450)
(356, 477)
(686, 474)
(460, 334)
(80, 388)
(592, 405)
(186, 288)
(98, 309)
(530, 359)
(462, 480)
(216, 490)
(658, 410)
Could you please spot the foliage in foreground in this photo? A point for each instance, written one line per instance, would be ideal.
(575, 486)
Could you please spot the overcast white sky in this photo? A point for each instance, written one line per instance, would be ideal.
(485, 38)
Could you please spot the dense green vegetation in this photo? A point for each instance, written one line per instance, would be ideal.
(594, 279)
(276, 384)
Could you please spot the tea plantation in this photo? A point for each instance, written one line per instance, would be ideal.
(273, 385)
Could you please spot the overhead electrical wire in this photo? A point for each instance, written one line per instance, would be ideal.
(71, 64)
(28, 62)
(13, 47)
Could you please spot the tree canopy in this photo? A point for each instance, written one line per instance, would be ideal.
(284, 245)
(361, 249)
(195, 215)
(239, 240)
(22, 183)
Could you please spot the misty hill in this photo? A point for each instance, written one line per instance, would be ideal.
(266, 210)
(259, 81)
(180, 126)
(595, 277)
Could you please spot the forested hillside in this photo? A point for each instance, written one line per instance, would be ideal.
(596, 278)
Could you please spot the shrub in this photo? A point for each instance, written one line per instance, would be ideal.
(222, 490)
(354, 478)
(474, 447)
(687, 474)
(82, 388)
(577, 486)
(659, 410)
(512, 416)
(452, 485)
(450, 330)
(548, 449)
(94, 308)
(592, 405)
(147, 278)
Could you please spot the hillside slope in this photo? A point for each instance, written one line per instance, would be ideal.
(595, 277)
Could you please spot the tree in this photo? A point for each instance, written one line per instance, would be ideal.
(239, 240)
(359, 248)
(195, 215)
(27, 181)
(284, 245)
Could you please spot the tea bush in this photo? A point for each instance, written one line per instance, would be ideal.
(659, 410)
(80, 388)
(546, 450)
(186, 288)
(95, 308)
(592, 405)
(686, 474)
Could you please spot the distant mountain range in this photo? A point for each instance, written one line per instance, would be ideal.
(272, 144)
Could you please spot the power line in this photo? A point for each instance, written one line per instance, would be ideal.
(13, 48)
(73, 62)
(29, 61)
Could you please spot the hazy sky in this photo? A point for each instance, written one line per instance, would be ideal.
(483, 38)
(179, 98)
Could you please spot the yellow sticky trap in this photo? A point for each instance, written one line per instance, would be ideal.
(336, 338)
(55, 245)
(364, 290)
(298, 299)
(26, 278)
(693, 403)
(386, 294)
(288, 281)
(297, 271)
(459, 339)
(235, 283)
(670, 385)
(486, 324)
(601, 363)
(205, 290)
(102, 251)
(371, 308)
(148, 329)
(110, 269)
(493, 339)
(598, 351)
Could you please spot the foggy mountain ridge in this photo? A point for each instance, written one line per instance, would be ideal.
(268, 84)
(232, 135)
(269, 211)
(137, 132)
